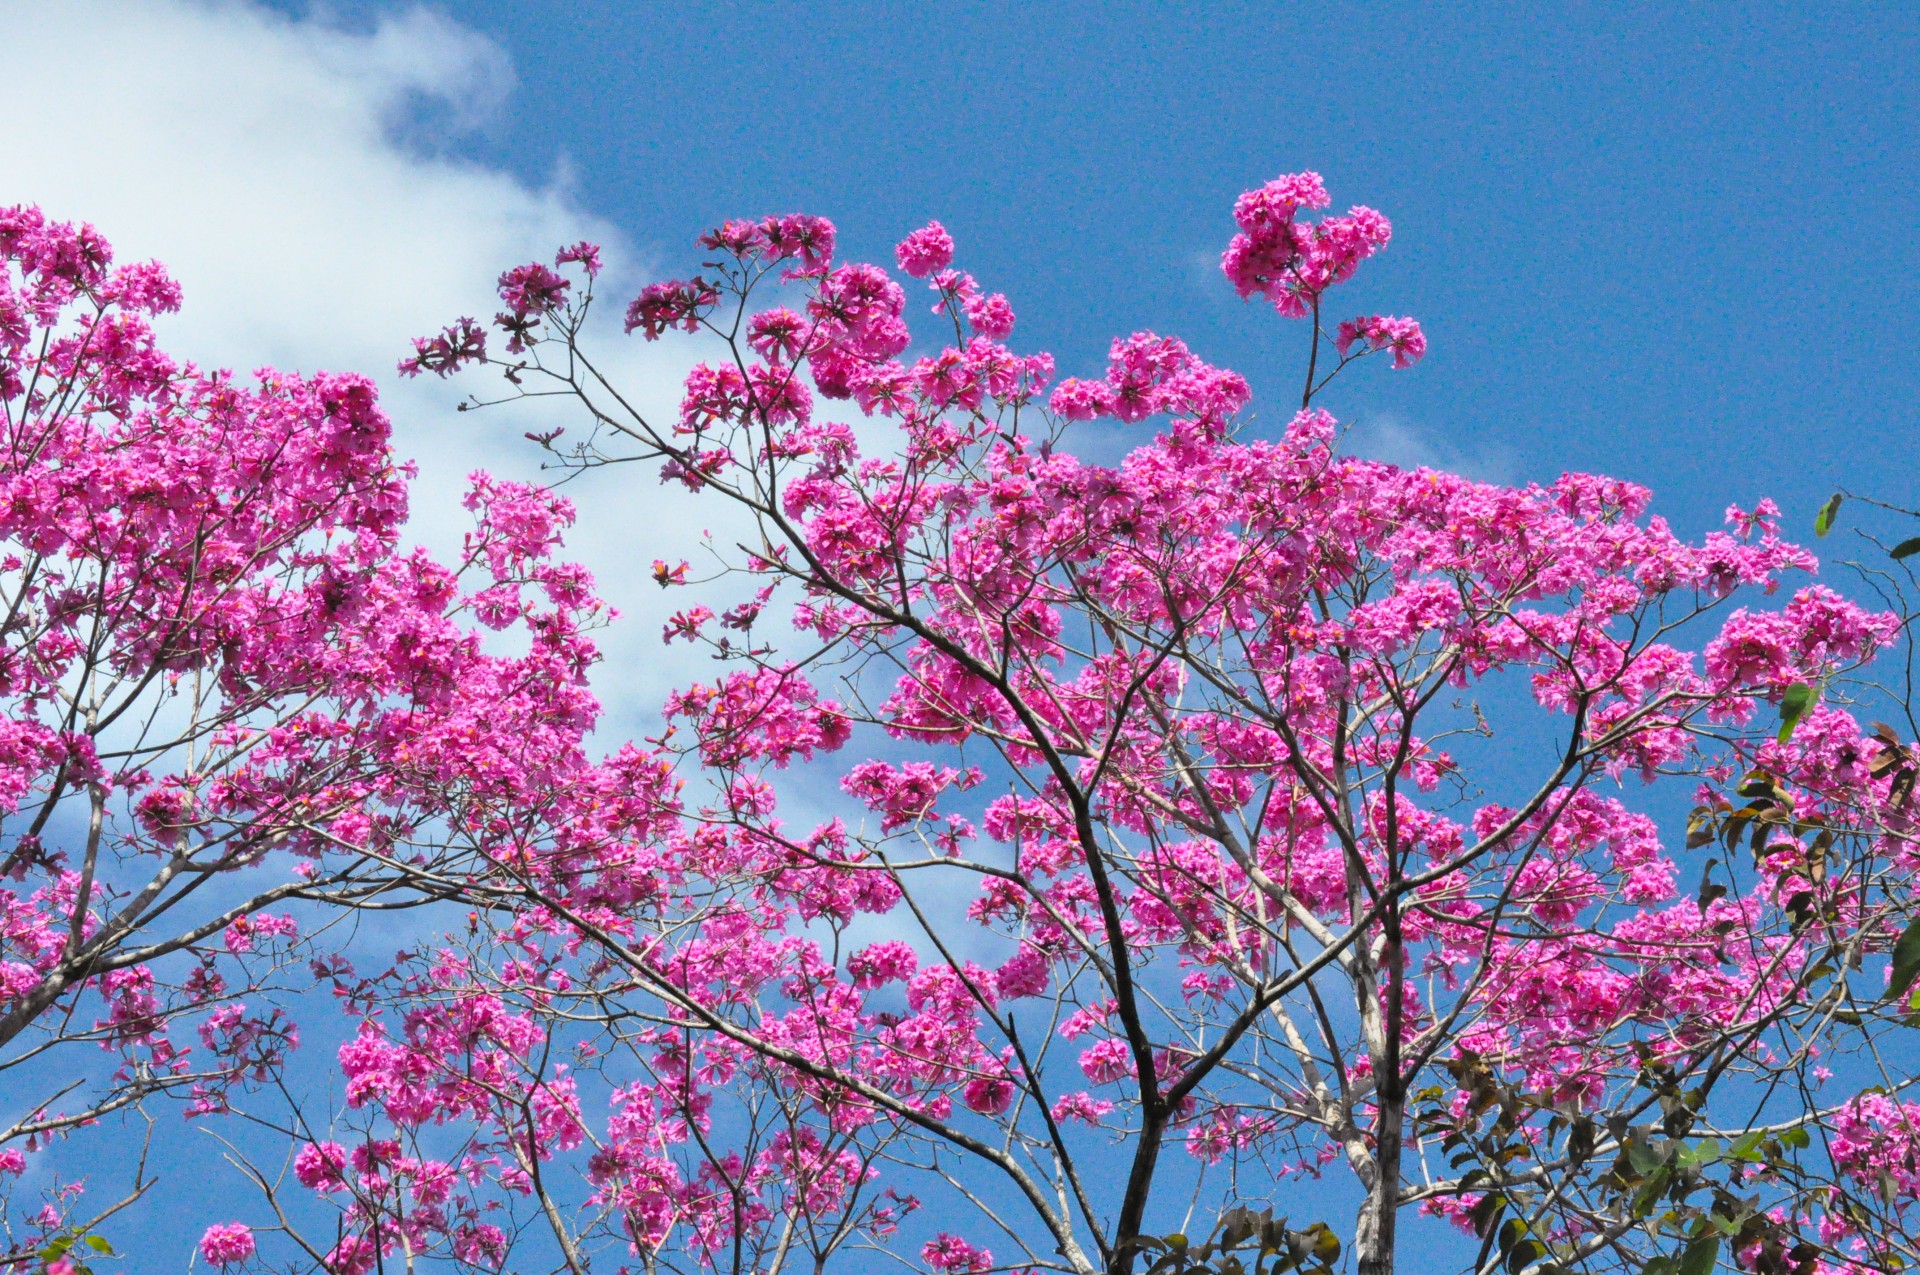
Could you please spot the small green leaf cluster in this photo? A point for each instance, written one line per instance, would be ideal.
(1245, 1243)
(72, 1245)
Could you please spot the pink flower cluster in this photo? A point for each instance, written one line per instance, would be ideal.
(1290, 262)
(227, 1244)
(1380, 332)
(1148, 375)
(1224, 698)
(289, 699)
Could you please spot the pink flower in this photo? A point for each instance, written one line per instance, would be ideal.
(321, 1166)
(988, 1095)
(1291, 262)
(991, 316)
(458, 345)
(882, 963)
(926, 250)
(1082, 1107)
(951, 1255)
(1078, 400)
(1024, 974)
(1107, 1061)
(227, 1243)
(676, 303)
(533, 289)
(584, 254)
(1384, 332)
(808, 238)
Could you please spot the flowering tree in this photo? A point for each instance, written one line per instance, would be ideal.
(1236, 815)
(1239, 813)
(229, 698)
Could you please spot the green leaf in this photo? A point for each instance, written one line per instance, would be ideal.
(1702, 824)
(1823, 521)
(1795, 1137)
(1644, 1156)
(1579, 1140)
(1706, 1151)
(1700, 1256)
(1906, 548)
(99, 1245)
(1526, 1253)
(1906, 962)
(1793, 706)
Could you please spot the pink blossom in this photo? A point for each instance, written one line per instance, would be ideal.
(991, 316)
(1082, 1107)
(1384, 332)
(926, 250)
(954, 1256)
(1107, 1061)
(227, 1244)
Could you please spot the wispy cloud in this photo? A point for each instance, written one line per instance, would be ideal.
(284, 170)
(1386, 437)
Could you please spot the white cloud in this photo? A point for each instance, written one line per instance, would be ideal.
(255, 155)
(1386, 437)
(264, 160)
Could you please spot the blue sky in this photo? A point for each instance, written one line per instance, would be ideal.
(1676, 246)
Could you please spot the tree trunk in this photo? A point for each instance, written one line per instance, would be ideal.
(1373, 1240)
(1374, 1236)
(1133, 1206)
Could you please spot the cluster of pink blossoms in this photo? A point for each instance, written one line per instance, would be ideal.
(220, 660)
(227, 1244)
(1290, 262)
(1400, 337)
(1223, 703)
